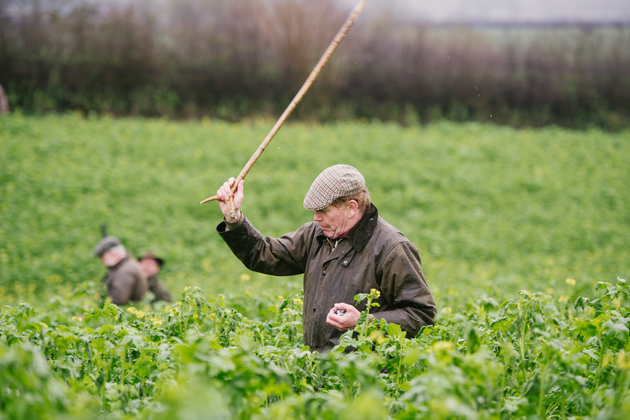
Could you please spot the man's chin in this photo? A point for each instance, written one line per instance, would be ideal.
(328, 233)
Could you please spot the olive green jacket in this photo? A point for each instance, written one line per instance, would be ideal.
(126, 281)
(158, 289)
(373, 255)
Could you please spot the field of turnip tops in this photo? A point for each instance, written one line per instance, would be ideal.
(528, 357)
(523, 236)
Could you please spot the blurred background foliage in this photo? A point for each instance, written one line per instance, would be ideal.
(242, 58)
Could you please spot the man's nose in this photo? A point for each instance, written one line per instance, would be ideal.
(317, 217)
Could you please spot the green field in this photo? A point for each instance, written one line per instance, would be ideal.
(493, 211)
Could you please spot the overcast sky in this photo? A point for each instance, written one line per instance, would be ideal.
(449, 11)
(441, 11)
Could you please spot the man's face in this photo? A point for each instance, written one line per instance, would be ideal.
(110, 259)
(149, 266)
(333, 221)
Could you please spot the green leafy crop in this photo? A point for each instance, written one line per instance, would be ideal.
(529, 357)
(518, 230)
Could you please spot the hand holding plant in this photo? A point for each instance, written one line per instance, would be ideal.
(343, 316)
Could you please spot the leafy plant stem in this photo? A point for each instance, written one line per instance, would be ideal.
(522, 347)
(367, 317)
(543, 384)
(122, 365)
(601, 360)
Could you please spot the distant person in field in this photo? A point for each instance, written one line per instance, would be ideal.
(151, 265)
(348, 249)
(125, 280)
(4, 101)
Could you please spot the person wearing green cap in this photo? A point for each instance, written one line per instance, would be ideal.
(348, 249)
(125, 280)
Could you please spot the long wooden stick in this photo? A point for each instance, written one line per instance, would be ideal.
(296, 100)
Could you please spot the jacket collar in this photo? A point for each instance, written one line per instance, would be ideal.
(119, 264)
(361, 233)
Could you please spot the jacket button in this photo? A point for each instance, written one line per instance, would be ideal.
(314, 309)
(324, 273)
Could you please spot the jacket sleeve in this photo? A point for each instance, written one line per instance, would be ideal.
(160, 292)
(405, 289)
(121, 288)
(284, 256)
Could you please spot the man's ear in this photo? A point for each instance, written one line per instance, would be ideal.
(353, 208)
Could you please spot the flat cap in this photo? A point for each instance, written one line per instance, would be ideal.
(151, 256)
(333, 183)
(105, 244)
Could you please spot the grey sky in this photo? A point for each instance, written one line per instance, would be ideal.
(450, 11)
(440, 11)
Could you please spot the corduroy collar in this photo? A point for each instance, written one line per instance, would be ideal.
(360, 233)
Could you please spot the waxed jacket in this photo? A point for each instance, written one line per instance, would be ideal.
(373, 255)
(158, 289)
(126, 281)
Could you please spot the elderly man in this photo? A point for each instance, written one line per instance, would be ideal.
(348, 249)
(125, 279)
(151, 265)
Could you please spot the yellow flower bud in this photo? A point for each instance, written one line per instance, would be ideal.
(443, 346)
(623, 360)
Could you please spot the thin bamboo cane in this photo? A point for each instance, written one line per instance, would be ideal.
(296, 100)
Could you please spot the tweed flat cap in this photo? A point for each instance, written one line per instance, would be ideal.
(105, 244)
(333, 183)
